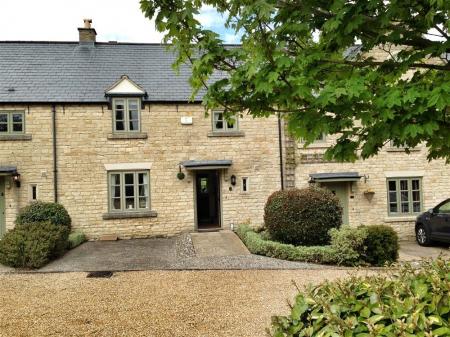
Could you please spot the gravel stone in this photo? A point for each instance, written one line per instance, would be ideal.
(184, 246)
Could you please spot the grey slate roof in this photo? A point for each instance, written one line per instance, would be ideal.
(70, 72)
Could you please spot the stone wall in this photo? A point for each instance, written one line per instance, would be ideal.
(84, 147)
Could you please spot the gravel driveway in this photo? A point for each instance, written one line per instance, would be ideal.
(150, 303)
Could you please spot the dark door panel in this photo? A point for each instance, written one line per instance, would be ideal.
(208, 199)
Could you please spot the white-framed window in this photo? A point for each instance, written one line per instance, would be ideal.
(12, 122)
(126, 115)
(33, 192)
(404, 196)
(221, 124)
(245, 185)
(129, 191)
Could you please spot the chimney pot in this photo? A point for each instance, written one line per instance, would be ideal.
(87, 23)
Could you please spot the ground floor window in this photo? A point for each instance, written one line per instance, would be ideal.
(404, 196)
(129, 191)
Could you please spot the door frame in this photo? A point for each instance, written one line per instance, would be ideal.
(219, 192)
(3, 211)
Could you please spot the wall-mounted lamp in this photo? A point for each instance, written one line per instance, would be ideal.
(366, 177)
(233, 180)
(16, 179)
(180, 175)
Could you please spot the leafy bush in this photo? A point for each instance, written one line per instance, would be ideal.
(256, 244)
(349, 244)
(39, 211)
(409, 302)
(76, 239)
(302, 216)
(381, 245)
(33, 245)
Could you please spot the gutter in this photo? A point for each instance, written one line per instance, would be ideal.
(280, 144)
(55, 167)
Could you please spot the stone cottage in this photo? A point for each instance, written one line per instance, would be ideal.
(108, 130)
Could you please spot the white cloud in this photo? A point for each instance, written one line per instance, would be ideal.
(58, 20)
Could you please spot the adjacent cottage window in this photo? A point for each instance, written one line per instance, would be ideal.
(33, 192)
(220, 124)
(12, 123)
(129, 191)
(244, 184)
(404, 196)
(126, 113)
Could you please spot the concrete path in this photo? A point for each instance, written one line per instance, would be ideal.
(223, 243)
(411, 251)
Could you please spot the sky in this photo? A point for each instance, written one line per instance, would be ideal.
(114, 20)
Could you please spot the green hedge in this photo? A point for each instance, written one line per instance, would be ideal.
(348, 246)
(409, 302)
(302, 216)
(76, 239)
(33, 245)
(381, 245)
(39, 211)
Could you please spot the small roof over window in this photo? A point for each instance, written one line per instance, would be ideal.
(335, 177)
(206, 164)
(125, 87)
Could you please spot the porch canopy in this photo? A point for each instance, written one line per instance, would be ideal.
(334, 177)
(206, 164)
(7, 170)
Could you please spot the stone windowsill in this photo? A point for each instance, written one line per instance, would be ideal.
(15, 137)
(129, 215)
(401, 149)
(401, 218)
(226, 134)
(137, 135)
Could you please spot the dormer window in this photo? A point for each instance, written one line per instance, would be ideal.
(126, 112)
(125, 98)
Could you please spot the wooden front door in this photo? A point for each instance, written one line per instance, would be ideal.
(340, 190)
(2, 207)
(208, 199)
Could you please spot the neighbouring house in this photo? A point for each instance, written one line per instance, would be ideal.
(108, 130)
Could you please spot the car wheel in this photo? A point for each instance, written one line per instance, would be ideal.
(422, 236)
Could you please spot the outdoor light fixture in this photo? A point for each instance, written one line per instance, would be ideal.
(233, 180)
(16, 178)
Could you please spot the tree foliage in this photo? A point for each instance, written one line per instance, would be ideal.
(298, 59)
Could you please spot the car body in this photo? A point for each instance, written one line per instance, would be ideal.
(434, 224)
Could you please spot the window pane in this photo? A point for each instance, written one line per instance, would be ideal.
(115, 191)
(403, 185)
(129, 191)
(416, 207)
(142, 177)
(134, 125)
(115, 179)
(143, 190)
(416, 196)
(119, 115)
(415, 184)
(404, 196)
(115, 203)
(3, 118)
(393, 197)
(393, 208)
(17, 118)
(143, 203)
(219, 125)
(120, 126)
(133, 104)
(231, 125)
(392, 186)
(218, 116)
(129, 203)
(405, 208)
(119, 105)
(129, 178)
(3, 127)
(133, 114)
(17, 127)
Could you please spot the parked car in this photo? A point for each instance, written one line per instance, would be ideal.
(434, 224)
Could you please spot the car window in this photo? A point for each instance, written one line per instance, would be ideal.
(445, 208)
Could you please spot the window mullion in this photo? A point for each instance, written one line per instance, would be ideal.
(127, 122)
(135, 187)
(399, 195)
(122, 191)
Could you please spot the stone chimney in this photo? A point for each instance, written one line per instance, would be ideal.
(87, 33)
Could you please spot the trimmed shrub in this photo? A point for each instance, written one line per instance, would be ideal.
(76, 239)
(349, 245)
(257, 245)
(39, 211)
(302, 216)
(408, 302)
(33, 245)
(381, 245)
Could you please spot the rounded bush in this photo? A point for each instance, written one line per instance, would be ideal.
(38, 211)
(33, 245)
(381, 245)
(302, 216)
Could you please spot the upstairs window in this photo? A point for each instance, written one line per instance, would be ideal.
(12, 122)
(126, 115)
(220, 124)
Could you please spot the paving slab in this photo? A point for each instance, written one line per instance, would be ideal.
(222, 243)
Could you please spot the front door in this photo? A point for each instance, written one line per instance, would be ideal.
(340, 190)
(208, 199)
(2, 207)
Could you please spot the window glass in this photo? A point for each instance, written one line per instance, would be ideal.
(12, 122)
(445, 208)
(221, 124)
(126, 115)
(129, 191)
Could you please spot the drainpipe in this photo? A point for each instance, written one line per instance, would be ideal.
(280, 143)
(55, 168)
